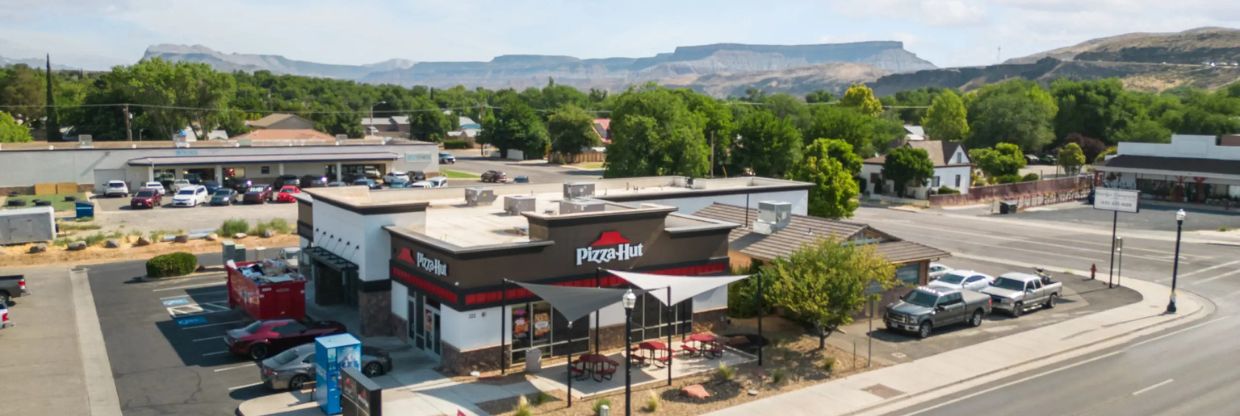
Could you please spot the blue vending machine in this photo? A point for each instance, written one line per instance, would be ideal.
(332, 354)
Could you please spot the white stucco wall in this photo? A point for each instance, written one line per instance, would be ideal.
(947, 177)
(1182, 145)
(400, 301)
(360, 238)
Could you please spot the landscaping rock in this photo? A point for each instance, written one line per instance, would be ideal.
(752, 392)
(142, 242)
(182, 238)
(268, 233)
(238, 236)
(213, 237)
(77, 245)
(695, 391)
(38, 248)
(111, 243)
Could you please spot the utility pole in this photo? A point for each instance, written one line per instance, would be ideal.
(128, 129)
(712, 153)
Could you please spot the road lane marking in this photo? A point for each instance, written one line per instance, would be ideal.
(1211, 279)
(1027, 241)
(210, 325)
(163, 289)
(244, 386)
(247, 365)
(1209, 268)
(1163, 383)
(212, 354)
(209, 338)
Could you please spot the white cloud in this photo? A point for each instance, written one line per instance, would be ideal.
(952, 12)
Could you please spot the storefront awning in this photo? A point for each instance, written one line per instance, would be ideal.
(576, 302)
(682, 287)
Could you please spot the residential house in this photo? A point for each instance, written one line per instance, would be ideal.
(468, 130)
(952, 169)
(393, 126)
(280, 121)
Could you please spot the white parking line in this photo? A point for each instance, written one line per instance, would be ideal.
(209, 338)
(210, 325)
(1211, 279)
(1209, 268)
(244, 386)
(234, 368)
(163, 289)
(1163, 383)
(212, 354)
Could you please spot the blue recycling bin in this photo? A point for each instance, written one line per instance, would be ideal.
(84, 209)
(332, 354)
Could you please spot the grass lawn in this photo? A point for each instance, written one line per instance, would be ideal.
(58, 200)
(456, 174)
(590, 165)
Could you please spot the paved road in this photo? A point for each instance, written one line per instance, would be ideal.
(538, 173)
(1199, 362)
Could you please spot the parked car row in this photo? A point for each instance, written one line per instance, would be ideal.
(195, 195)
(966, 296)
(285, 351)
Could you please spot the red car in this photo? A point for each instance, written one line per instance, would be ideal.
(146, 198)
(286, 193)
(257, 194)
(263, 338)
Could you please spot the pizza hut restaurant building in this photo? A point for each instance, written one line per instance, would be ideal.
(444, 256)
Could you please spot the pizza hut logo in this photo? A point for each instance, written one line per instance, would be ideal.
(433, 266)
(610, 246)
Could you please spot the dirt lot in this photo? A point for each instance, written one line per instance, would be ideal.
(17, 255)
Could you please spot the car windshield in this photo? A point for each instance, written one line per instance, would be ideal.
(257, 189)
(921, 298)
(285, 357)
(145, 193)
(186, 191)
(1010, 284)
(252, 327)
(223, 192)
(952, 278)
(288, 190)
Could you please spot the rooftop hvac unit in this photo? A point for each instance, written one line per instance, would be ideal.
(85, 140)
(516, 204)
(581, 205)
(772, 216)
(340, 138)
(576, 190)
(479, 196)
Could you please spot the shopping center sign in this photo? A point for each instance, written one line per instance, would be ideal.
(610, 246)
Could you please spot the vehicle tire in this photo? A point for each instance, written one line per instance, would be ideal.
(258, 351)
(976, 319)
(924, 330)
(1050, 301)
(297, 382)
(373, 369)
(1018, 309)
(4, 298)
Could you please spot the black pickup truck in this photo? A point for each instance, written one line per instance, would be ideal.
(12, 286)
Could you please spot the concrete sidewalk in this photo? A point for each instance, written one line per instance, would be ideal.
(893, 388)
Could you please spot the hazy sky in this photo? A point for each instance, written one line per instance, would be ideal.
(101, 33)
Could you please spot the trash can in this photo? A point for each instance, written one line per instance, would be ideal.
(84, 209)
(533, 360)
(1008, 207)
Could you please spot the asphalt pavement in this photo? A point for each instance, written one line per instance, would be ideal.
(470, 161)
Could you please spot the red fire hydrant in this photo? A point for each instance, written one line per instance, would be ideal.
(1093, 268)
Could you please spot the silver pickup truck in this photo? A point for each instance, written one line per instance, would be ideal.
(11, 287)
(926, 308)
(1016, 292)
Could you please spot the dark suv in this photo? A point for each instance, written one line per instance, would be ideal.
(286, 180)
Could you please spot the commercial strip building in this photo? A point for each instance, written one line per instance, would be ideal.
(1192, 168)
(429, 265)
(261, 160)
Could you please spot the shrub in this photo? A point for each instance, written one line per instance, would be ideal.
(541, 397)
(652, 402)
(1030, 177)
(456, 144)
(1001, 179)
(233, 226)
(598, 405)
(173, 264)
(828, 365)
(943, 190)
(778, 376)
(724, 372)
(280, 225)
(523, 407)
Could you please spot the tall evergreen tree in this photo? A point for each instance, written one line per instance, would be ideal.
(53, 122)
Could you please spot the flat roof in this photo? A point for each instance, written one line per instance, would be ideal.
(1172, 165)
(450, 220)
(168, 144)
(278, 158)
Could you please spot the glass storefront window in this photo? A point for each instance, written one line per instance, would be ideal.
(909, 275)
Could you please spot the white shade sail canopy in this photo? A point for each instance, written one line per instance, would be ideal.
(572, 302)
(683, 287)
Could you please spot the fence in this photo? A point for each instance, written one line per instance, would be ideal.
(562, 158)
(1028, 194)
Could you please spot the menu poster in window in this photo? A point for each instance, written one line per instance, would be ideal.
(542, 325)
(520, 324)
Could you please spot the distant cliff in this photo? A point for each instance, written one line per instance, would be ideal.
(275, 63)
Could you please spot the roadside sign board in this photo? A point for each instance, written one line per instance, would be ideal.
(873, 288)
(1120, 200)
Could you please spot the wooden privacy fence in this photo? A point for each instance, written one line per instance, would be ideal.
(562, 158)
(1028, 194)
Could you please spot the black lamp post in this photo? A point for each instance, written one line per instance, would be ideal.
(629, 301)
(1175, 269)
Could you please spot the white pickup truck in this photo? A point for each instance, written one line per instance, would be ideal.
(1016, 292)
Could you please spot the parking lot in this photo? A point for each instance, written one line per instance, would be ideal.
(115, 214)
(1080, 297)
(470, 161)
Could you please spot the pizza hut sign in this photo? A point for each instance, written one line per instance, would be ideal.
(433, 266)
(610, 246)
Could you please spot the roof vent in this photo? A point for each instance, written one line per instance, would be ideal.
(581, 205)
(479, 196)
(85, 141)
(577, 190)
(516, 204)
(772, 216)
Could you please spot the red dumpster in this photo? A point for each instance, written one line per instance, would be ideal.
(267, 289)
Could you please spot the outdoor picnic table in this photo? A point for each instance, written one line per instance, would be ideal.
(704, 344)
(655, 347)
(597, 366)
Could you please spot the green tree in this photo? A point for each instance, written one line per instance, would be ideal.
(905, 165)
(823, 284)
(862, 98)
(867, 135)
(1071, 157)
(1142, 129)
(1004, 159)
(11, 132)
(946, 119)
(717, 124)
(830, 165)
(820, 96)
(21, 93)
(427, 121)
(654, 133)
(767, 144)
(1015, 111)
(514, 125)
(1091, 108)
(571, 129)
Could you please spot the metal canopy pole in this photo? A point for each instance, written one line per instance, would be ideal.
(597, 284)
(503, 326)
(569, 368)
(671, 313)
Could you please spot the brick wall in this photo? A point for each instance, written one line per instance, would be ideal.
(1031, 193)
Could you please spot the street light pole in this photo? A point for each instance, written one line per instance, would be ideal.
(629, 301)
(1175, 269)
